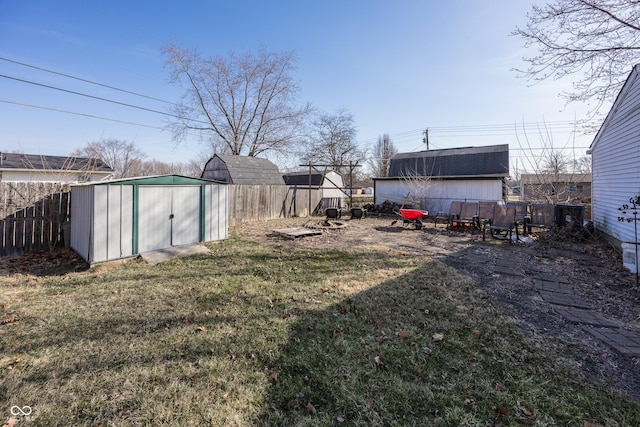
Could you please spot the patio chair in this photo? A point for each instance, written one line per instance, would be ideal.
(485, 212)
(522, 213)
(542, 216)
(502, 224)
(467, 217)
(454, 212)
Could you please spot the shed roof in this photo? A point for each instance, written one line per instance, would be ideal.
(487, 161)
(302, 178)
(249, 170)
(17, 161)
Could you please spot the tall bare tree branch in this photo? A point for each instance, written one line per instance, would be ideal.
(243, 104)
(596, 41)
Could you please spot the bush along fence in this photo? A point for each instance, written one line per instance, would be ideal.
(33, 216)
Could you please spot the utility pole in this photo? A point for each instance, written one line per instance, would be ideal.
(426, 138)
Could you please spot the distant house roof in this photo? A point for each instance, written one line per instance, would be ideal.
(242, 170)
(31, 162)
(488, 161)
(542, 178)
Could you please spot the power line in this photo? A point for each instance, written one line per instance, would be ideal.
(85, 80)
(101, 99)
(78, 114)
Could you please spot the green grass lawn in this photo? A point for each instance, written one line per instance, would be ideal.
(275, 335)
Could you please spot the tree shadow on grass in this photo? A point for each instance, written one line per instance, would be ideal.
(425, 348)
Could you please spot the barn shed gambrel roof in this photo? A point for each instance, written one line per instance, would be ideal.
(477, 162)
(242, 170)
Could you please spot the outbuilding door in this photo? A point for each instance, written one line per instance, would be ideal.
(168, 216)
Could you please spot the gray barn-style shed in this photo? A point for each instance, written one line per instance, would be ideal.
(126, 217)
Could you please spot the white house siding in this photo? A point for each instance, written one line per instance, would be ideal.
(48, 176)
(616, 163)
(437, 195)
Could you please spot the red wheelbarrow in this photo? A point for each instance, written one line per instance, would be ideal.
(413, 216)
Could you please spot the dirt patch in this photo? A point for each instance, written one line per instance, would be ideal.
(590, 269)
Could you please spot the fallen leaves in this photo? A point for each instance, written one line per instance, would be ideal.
(379, 361)
(310, 409)
(8, 319)
(437, 337)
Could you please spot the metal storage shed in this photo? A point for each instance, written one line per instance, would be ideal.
(122, 218)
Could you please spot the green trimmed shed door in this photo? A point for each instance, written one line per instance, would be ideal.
(168, 216)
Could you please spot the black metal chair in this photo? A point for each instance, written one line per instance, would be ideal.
(502, 224)
(542, 216)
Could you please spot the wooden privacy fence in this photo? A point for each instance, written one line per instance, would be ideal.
(263, 202)
(32, 216)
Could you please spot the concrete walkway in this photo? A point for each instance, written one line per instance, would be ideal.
(558, 293)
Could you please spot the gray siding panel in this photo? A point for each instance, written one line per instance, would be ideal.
(100, 231)
(186, 215)
(154, 226)
(216, 210)
(114, 232)
(81, 220)
(126, 221)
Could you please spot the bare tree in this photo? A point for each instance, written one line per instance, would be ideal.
(333, 141)
(597, 40)
(550, 175)
(156, 167)
(122, 156)
(382, 153)
(582, 164)
(244, 104)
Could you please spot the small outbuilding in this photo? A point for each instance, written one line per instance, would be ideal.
(242, 170)
(432, 179)
(126, 217)
(330, 183)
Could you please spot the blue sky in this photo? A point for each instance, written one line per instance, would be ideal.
(399, 67)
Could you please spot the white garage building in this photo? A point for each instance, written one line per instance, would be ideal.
(122, 218)
(432, 179)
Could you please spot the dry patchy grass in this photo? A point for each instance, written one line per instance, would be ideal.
(279, 335)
